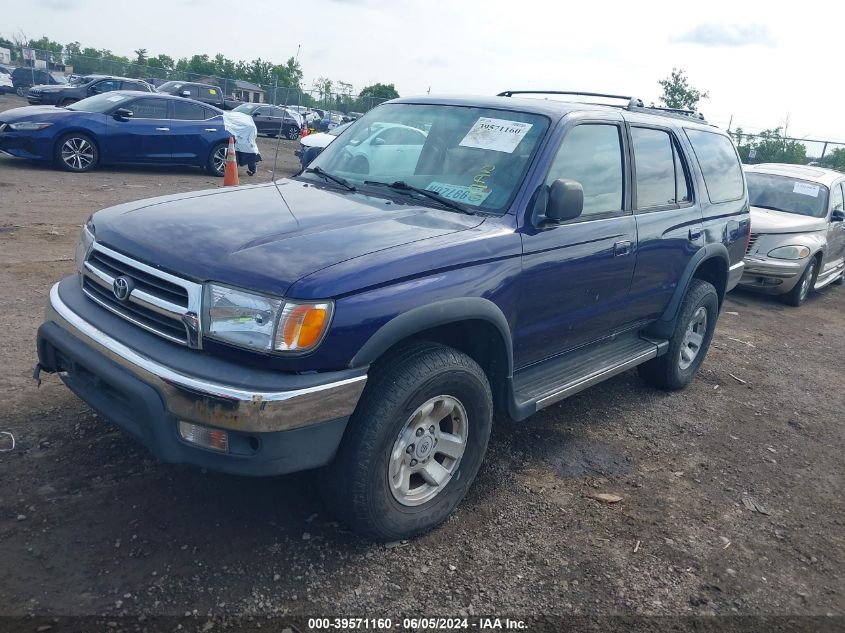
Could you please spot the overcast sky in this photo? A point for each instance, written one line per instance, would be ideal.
(760, 62)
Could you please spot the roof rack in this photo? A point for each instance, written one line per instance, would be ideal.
(633, 103)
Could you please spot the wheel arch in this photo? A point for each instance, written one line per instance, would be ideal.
(474, 326)
(710, 264)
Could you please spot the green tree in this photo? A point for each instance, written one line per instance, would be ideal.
(379, 91)
(678, 93)
(46, 44)
(835, 159)
(769, 146)
(162, 61)
(141, 56)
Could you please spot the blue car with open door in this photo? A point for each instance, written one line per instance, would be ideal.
(118, 127)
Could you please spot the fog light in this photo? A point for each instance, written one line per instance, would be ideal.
(213, 439)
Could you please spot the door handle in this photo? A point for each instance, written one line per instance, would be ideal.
(622, 248)
(162, 129)
(211, 129)
(694, 234)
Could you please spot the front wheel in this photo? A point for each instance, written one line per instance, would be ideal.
(414, 444)
(690, 340)
(292, 133)
(798, 295)
(217, 159)
(20, 91)
(76, 152)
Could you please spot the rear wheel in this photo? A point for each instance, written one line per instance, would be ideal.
(217, 159)
(690, 340)
(76, 152)
(798, 295)
(20, 91)
(413, 445)
(292, 133)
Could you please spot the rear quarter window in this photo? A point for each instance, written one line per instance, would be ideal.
(719, 164)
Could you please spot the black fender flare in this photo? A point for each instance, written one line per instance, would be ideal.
(666, 324)
(432, 315)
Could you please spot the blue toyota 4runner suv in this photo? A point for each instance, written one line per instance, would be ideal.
(442, 259)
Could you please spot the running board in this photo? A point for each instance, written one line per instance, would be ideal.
(829, 277)
(545, 384)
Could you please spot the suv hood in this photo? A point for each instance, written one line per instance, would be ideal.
(266, 237)
(769, 221)
(50, 87)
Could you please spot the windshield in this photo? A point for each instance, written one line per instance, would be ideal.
(335, 131)
(248, 108)
(474, 156)
(99, 103)
(791, 195)
(170, 86)
(59, 78)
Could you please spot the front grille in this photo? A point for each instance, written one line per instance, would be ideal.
(157, 301)
(752, 240)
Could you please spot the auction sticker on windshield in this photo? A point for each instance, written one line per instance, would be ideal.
(806, 189)
(498, 135)
(459, 193)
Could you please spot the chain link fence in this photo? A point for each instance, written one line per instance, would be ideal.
(771, 147)
(241, 89)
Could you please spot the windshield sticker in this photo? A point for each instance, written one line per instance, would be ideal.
(115, 98)
(459, 193)
(806, 189)
(212, 91)
(498, 135)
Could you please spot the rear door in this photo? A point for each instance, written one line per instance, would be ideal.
(265, 121)
(194, 129)
(576, 275)
(143, 138)
(669, 220)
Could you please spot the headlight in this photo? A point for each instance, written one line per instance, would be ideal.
(83, 247)
(789, 252)
(262, 322)
(28, 126)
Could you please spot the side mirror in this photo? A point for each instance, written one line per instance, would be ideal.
(566, 200)
(837, 216)
(310, 154)
(121, 114)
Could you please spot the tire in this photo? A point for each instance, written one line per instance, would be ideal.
(390, 435)
(292, 134)
(21, 91)
(76, 152)
(690, 340)
(798, 295)
(215, 165)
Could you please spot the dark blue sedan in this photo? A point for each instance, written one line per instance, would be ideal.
(118, 127)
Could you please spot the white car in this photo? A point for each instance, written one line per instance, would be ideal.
(6, 84)
(319, 139)
(797, 241)
(384, 148)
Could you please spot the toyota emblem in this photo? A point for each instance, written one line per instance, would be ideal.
(122, 288)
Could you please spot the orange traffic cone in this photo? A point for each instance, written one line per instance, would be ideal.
(230, 176)
(305, 130)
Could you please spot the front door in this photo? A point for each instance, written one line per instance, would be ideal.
(576, 275)
(142, 138)
(835, 230)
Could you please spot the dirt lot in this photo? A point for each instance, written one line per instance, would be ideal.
(90, 524)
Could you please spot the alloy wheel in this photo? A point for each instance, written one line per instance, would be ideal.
(428, 450)
(77, 153)
(693, 338)
(219, 158)
(807, 281)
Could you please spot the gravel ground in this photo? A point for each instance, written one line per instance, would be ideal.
(732, 490)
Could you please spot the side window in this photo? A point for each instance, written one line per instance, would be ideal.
(654, 157)
(133, 85)
(836, 201)
(261, 112)
(719, 165)
(210, 93)
(186, 111)
(592, 155)
(148, 108)
(681, 177)
(105, 86)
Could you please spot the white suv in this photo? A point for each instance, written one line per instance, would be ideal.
(797, 230)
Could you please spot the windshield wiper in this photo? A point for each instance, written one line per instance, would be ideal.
(337, 179)
(401, 185)
(763, 206)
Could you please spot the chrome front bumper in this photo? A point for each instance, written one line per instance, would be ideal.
(216, 403)
(771, 275)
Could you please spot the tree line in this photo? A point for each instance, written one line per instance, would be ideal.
(87, 60)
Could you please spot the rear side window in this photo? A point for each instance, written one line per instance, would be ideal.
(210, 93)
(661, 178)
(592, 155)
(719, 165)
(186, 111)
(836, 201)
